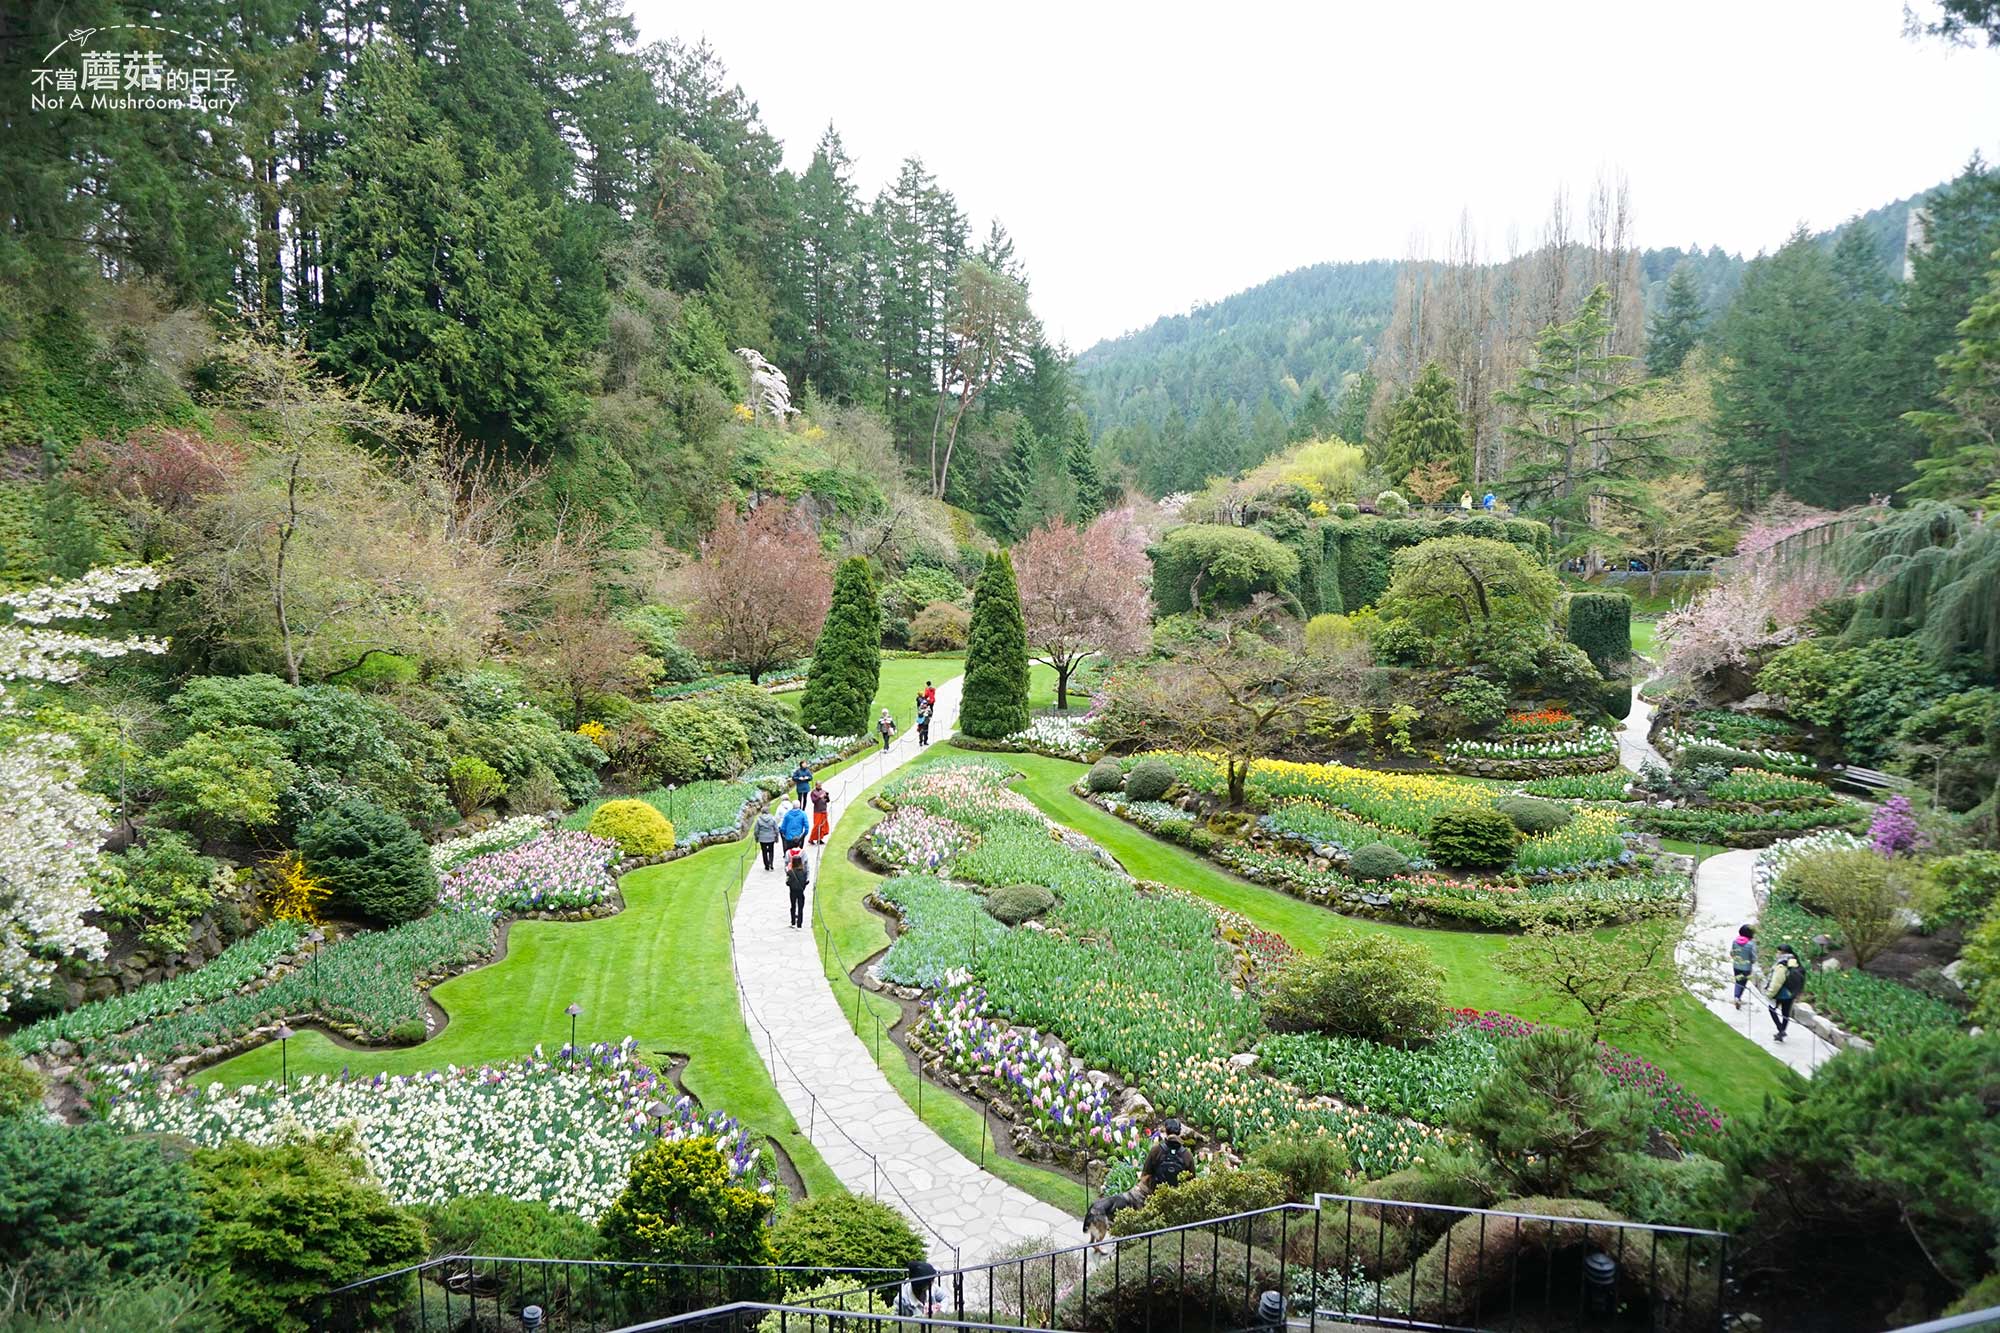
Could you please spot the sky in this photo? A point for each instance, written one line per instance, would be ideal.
(1150, 158)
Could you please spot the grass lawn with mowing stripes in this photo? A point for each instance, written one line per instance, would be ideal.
(658, 971)
(1713, 1062)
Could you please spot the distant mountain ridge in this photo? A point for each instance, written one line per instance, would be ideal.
(1314, 326)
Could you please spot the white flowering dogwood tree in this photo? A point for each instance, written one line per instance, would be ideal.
(53, 830)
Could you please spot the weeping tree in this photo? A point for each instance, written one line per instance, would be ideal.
(1932, 571)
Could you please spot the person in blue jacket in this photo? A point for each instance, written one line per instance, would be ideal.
(1488, 502)
(792, 828)
(802, 780)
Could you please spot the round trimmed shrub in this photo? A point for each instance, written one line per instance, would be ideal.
(1104, 775)
(1347, 510)
(1150, 779)
(845, 1231)
(940, 627)
(1534, 814)
(1377, 860)
(1473, 838)
(372, 862)
(1392, 503)
(1019, 902)
(637, 828)
(1360, 986)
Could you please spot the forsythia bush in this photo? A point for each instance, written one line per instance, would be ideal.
(293, 894)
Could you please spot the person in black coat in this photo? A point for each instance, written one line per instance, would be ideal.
(795, 884)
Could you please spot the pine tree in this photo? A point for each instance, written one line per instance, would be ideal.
(1677, 325)
(847, 660)
(1008, 483)
(1081, 465)
(1314, 419)
(996, 655)
(1425, 426)
(820, 296)
(1350, 416)
(1964, 462)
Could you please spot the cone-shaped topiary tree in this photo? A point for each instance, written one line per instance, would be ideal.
(995, 702)
(847, 660)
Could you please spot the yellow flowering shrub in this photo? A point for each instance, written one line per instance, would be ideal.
(594, 732)
(292, 894)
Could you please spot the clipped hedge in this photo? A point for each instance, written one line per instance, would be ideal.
(1600, 623)
(844, 1231)
(1016, 903)
(1105, 775)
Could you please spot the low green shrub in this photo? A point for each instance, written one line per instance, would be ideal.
(1959, 889)
(1104, 776)
(282, 1225)
(844, 1231)
(373, 862)
(940, 628)
(1016, 903)
(1376, 861)
(473, 783)
(496, 1224)
(1308, 1164)
(637, 828)
(1380, 989)
(1472, 837)
(1219, 1191)
(82, 1204)
(1149, 780)
(158, 889)
(1532, 814)
(20, 1086)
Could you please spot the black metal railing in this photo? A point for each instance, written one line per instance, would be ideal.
(473, 1291)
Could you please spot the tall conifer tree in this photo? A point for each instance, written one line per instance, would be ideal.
(996, 655)
(847, 660)
(1677, 325)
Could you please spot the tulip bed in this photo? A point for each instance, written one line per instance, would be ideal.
(1591, 741)
(916, 840)
(367, 983)
(1581, 786)
(1590, 841)
(1338, 832)
(562, 871)
(1743, 755)
(495, 838)
(241, 963)
(1746, 828)
(537, 1129)
(943, 925)
(1135, 981)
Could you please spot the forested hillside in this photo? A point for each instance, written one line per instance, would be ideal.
(1227, 384)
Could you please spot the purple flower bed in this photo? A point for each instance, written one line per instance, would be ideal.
(1675, 1109)
(562, 871)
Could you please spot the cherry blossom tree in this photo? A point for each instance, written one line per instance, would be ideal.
(1084, 591)
(54, 830)
(760, 589)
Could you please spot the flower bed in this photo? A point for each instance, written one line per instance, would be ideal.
(235, 969)
(495, 838)
(704, 812)
(1543, 722)
(974, 793)
(1611, 786)
(1333, 833)
(1754, 786)
(1593, 741)
(1744, 828)
(1771, 862)
(1589, 842)
(366, 987)
(1058, 1103)
(1720, 725)
(563, 872)
(915, 839)
(538, 1129)
(1740, 756)
(942, 925)
(1515, 905)
(1058, 735)
(1402, 801)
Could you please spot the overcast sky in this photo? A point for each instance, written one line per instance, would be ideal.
(1147, 158)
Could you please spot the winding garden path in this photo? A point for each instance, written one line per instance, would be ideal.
(862, 1127)
(1723, 901)
(1635, 745)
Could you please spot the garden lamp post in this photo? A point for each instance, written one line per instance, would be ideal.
(573, 1011)
(285, 1035)
(658, 1110)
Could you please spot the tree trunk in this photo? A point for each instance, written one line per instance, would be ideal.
(1062, 684)
(1239, 778)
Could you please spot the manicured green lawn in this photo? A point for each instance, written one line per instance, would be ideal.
(1042, 686)
(1712, 1061)
(848, 933)
(658, 971)
(1642, 637)
(896, 691)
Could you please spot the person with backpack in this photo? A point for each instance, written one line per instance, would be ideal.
(1743, 958)
(765, 830)
(822, 800)
(887, 726)
(1169, 1160)
(792, 828)
(795, 886)
(802, 780)
(1788, 982)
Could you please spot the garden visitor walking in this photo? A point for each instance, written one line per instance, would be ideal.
(1169, 1160)
(923, 724)
(1788, 982)
(766, 831)
(929, 696)
(792, 828)
(1743, 958)
(821, 800)
(887, 726)
(795, 886)
(802, 780)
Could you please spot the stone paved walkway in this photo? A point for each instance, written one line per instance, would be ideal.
(829, 1078)
(1635, 747)
(1722, 902)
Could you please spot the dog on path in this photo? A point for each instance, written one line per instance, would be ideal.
(1097, 1219)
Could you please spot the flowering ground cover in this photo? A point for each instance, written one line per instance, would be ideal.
(495, 838)
(1745, 755)
(234, 968)
(1323, 826)
(561, 871)
(539, 1129)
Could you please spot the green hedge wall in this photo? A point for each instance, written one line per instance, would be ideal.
(1600, 623)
